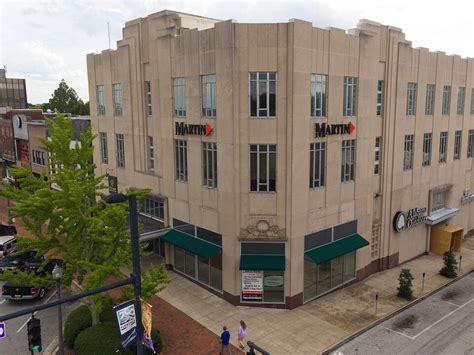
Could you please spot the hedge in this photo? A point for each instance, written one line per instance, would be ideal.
(78, 320)
(100, 339)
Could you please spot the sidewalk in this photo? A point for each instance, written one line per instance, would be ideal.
(315, 326)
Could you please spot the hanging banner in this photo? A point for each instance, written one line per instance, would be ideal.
(146, 317)
(252, 286)
(127, 322)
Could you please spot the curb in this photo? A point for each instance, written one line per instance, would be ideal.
(333, 347)
(52, 348)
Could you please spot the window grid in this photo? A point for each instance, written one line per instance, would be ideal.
(208, 87)
(457, 145)
(318, 95)
(104, 153)
(460, 102)
(100, 100)
(411, 99)
(151, 154)
(470, 143)
(149, 109)
(120, 150)
(209, 164)
(378, 144)
(439, 200)
(263, 167)
(379, 105)
(38, 157)
(348, 160)
(443, 146)
(262, 94)
(408, 152)
(153, 206)
(430, 96)
(181, 160)
(317, 164)
(117, 92)
(350, 96)
(446, 100)
(426, 149)
(179, 97)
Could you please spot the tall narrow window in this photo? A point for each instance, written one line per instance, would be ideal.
(378, 144)
(443, 146)
(408, 152)
(446, 100)
(181, 147)
(208, 87)
(470, 143)
(430, 96)
(120, 150)
(457, 145)
(379, 105)
(411, 99)
(151, 154)
(262, 167)
(104, 154)
(117, 91)
(350, 96)
(209, 164)
(348, 160)
(460, 103)
(472, 101)
(318, 95)
(426, 149)
(263, 94)
(179, 97)
(149, 109)
(317, 164)
(100, 100)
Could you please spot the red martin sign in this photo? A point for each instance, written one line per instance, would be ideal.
(323, 129)
(197, 129)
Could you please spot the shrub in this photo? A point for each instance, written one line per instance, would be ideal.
(78, 320)
(99, 340)
(108, 315)
(450, 265)
(405, 279)
(157, 341)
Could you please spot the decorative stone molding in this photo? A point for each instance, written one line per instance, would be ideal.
(262, 228)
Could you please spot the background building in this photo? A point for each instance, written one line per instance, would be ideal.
(12, 92)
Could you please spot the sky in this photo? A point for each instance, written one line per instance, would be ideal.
(44, 41)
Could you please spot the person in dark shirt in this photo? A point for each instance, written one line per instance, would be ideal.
(225, 339)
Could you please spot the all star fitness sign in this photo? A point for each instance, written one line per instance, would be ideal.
(197, 129)
(324, 129)
(405, 220)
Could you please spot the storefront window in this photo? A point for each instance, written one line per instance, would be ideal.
(349, 266)
(216, 271)
(324, 277)
(179, 259)
(336, 272)
(203, 270)
(273, 286)
(190, 265)
(310, 278)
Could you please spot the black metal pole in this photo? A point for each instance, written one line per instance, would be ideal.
(60, 319)
(132, 203)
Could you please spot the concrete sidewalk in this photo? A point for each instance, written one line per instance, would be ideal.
(315, 326)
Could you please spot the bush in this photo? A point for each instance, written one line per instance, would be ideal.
(450, 265)
(100, 339)
(78, 320)
(108, 315)
(157, 341)
(405, 279)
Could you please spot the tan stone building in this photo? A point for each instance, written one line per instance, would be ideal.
(280, 155)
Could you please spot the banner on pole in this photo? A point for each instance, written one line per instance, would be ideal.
(127, 322)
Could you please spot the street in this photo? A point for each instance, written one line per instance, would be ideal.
(440, 324)
(16, 341)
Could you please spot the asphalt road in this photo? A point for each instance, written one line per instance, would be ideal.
(440, 324)
(16, 341)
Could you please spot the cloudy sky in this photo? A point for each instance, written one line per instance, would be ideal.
(44, 41)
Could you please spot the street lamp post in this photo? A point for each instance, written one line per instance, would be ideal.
(132, 206)
(57, 275)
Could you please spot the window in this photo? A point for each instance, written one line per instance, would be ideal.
(446, 100)
(208, 85)
(318, 95)
(408, 152)
(348, 160)
(100, 100)
(443, 146)
(470, 143)
(38, 157)
(430, 96)
(262, 167)
(263, 94)
(120, 150)
(350, 96)
(472, 101)
(378, 143)
(426, 149)
(460, 103)
(379, 105)
(117, 91)
(149, 109)
(104, 154)
(151, 154)
(411, 99)
(181, 160)
(439, 200)
(457, 145)
(209, 164)
(153, 206)
(179, 97)
(317, 164)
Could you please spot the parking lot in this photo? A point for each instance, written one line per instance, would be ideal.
(441, 324)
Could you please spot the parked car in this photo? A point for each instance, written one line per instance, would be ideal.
(24, 292)
(16, 262)
(7, 242)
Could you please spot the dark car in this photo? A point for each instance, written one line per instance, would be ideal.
(16, 261)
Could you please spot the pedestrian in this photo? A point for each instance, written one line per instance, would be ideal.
(225, 339)
(242, 333)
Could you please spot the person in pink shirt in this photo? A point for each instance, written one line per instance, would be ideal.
(242, 333)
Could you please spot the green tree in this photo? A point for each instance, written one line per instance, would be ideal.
(72, 221)
(405, 280)
(450, 265)
(64, 99)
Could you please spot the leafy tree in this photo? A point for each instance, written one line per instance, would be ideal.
(64, 99)
(73, 222)
(405, 279)
(450, 265)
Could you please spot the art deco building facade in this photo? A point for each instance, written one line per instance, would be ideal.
(285, 160)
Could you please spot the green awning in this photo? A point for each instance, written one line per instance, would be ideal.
(191, 244)
(262, 262)
(339, 247)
